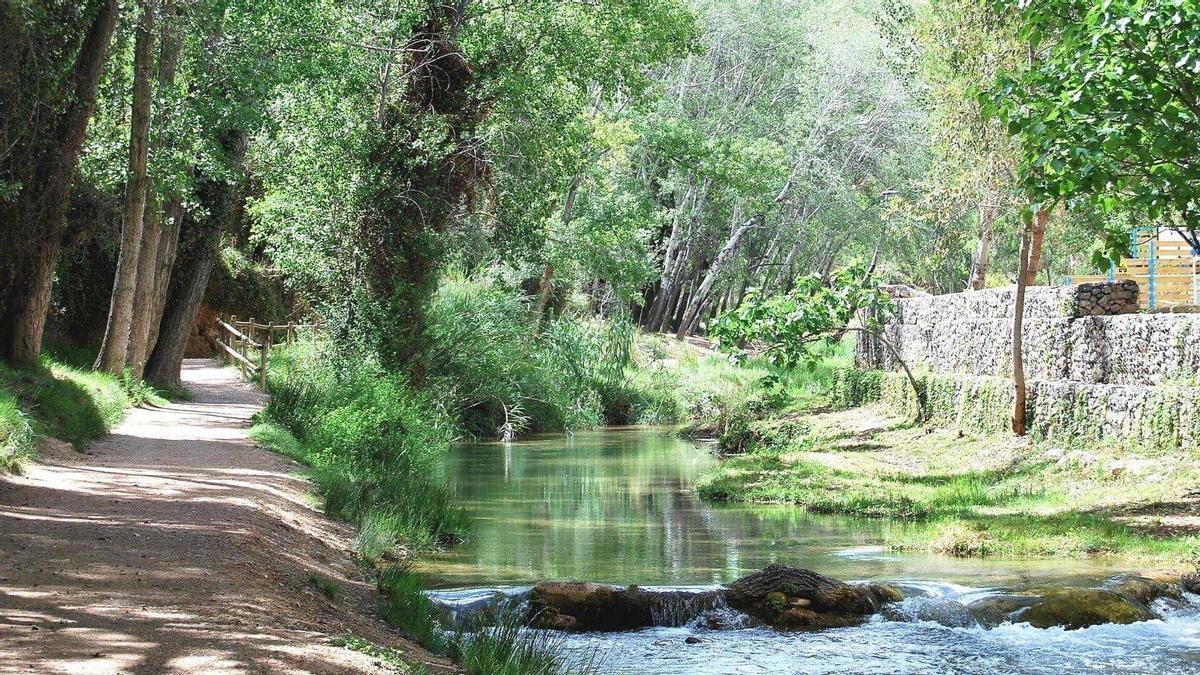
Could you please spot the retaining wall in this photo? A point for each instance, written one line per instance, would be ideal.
(1095, 369)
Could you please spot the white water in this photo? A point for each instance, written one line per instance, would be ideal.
(926, 633)
(1169, 645)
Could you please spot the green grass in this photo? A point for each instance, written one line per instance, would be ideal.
(675, 382)
(374, 447)
(502, 646)
(953, 492)
(62, 399)
(327, 587)
(393, 658)
(1068, 535)
(507, 648)
(17, 440)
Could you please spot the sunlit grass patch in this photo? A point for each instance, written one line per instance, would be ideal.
(68, 402)
(393, 658)
(17, 440)
(1068, 535)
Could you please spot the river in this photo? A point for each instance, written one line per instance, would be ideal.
(616, 506)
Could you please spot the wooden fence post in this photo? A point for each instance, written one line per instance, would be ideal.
(266, 354)
(244, 344)
(291, 328)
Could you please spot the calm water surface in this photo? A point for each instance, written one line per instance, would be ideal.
(617, 506)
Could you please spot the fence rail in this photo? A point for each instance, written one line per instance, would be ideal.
(237, 343)
(1167, 272)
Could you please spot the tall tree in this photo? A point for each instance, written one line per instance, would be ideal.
(1110, 112)
(114, 354)
(157, 254)
(40, 162)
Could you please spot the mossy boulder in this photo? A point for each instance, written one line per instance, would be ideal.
(994, 610)
(1075, 608)
(1146, 589)
(574, 606)
(790, 598)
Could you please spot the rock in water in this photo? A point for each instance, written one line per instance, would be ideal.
(793, 598)
(577, 606)
(997, 609)
(1075, 608)
(1191, 582)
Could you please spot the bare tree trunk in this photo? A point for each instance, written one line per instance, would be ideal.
(168, 250)
(715, 269)
(113, 356)
(979, 263)
(1018, 359)
(27, 301)
(675, 318)
(671, 258)
(157, 254)
(183, 303)
(671, 293)
(1034, 257)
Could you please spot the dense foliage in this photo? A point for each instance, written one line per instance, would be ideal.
(1110, 108)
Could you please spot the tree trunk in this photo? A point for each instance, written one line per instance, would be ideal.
(183, 303)
(168, 250)
(114, 356)
(1018, 359)
(156, 250)
(710, 277)
(23, 315)
(670, 293)
(1034, 257)
(979, 263)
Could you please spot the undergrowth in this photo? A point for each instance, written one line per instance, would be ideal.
(374, 444)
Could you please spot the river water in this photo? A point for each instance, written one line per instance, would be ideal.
(616, 506)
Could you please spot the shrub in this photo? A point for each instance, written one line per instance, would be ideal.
(506, 372)
(375, 444)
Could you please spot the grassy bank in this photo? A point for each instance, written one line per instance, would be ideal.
(374, 445)
(967, 494)
(62, 398)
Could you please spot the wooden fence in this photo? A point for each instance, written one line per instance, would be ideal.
(1167, 273)
(241, 343)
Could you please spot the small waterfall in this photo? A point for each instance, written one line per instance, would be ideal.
(944, 611)
(694, 608)
(473, 606)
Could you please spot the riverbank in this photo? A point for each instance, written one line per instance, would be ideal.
(968, 494)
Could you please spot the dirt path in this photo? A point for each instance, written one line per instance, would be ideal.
(175, 545)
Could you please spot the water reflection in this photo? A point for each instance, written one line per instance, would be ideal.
(617, 505)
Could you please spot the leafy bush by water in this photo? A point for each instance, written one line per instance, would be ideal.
(505, 372)
(375, 445)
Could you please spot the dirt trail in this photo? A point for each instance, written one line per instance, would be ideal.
(175, 545)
